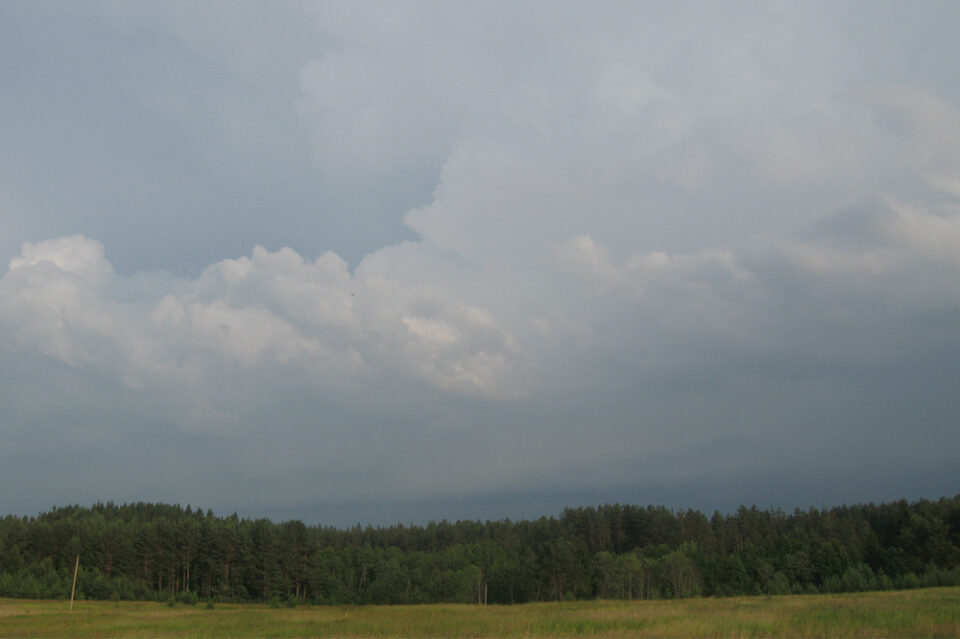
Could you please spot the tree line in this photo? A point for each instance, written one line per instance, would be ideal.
(154, 551)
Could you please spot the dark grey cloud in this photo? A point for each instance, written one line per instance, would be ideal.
(395, 262)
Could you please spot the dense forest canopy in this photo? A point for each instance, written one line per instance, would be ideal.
(157, 551)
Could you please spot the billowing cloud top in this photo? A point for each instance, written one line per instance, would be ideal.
(502, 259)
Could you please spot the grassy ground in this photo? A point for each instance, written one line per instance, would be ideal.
(931, 612)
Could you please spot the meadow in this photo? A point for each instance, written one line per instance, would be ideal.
(932, 612)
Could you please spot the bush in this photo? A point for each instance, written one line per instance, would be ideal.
(884, 582)
(833, 584)
(8, 586)
(858, 579)
(189, 598)
(210, 605)
(907, 581)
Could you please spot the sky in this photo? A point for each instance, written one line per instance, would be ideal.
(384, 262)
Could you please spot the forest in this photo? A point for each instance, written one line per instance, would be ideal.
(146, 551)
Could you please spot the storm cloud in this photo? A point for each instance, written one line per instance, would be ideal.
(392, 262)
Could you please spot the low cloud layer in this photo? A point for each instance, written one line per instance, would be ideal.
(591, 264)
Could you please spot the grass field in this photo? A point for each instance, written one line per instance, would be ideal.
(931, 612)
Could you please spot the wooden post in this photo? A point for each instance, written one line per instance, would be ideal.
(76, 569)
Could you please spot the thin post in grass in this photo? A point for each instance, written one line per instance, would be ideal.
(73, 589)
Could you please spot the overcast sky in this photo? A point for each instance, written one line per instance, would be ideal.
(392, 262)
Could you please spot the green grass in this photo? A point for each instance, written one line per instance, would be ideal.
(931, 612)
